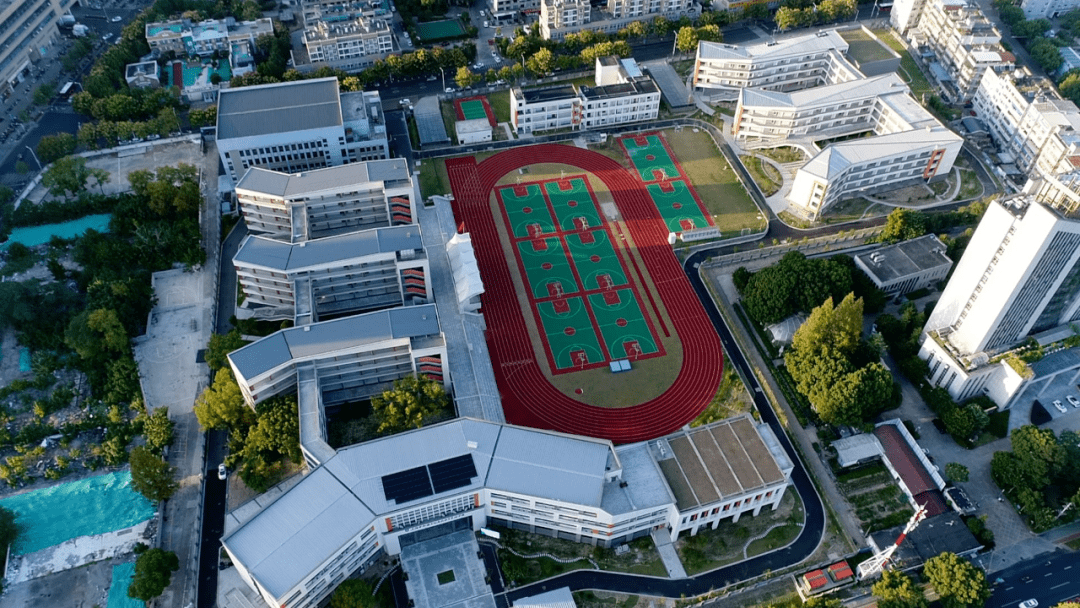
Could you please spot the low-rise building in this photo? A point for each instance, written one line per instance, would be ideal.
(561, 17)
(623, 94)
(906, 266)
(186, 38)
(298, 126)
(349, 273)
(473, 131)
(327, 202)
(384, 496)
(347, 44)
(143, 75)
(788, 65)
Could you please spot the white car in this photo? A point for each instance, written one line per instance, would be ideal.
(1072, 400)
(449, 89)
(1059, 406)
(1032, 603)
(117, 19)
(486, 24)
(222, 472)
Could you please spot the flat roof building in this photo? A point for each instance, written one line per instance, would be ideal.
(791, 64)
(906, 266)
(185, 38)
(391, 494)
(298, 126)
(143, 75)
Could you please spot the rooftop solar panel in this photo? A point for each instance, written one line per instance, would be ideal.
(407, 485)
(452, 473)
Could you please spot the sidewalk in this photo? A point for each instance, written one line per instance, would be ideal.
(668, 555)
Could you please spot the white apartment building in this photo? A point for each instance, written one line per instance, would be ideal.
(1047, 9)
(832, 110)
(557, 17)
(965, 43)
(28, 33)
(1041, 134)
(905, 14)
(349, 273)
(298, 126)
(1060, 191)
(508, 9)
(349, 44)
(1019, 276)
(186, 38)
(906, 266)
(638, 9)
(787, 65)
(385, 496)
(352, 358)
(545, 109)
(327, 202)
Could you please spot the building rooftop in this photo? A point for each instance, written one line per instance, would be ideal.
(791, 47)
(278, 108)
(717, 461)
(290, 257)
(838, 157)
(473, 125)
(934, 536)
(645, 485)
(291, 185)
(904, 460)
(556, 598)
(321, 339)
(546, 94)
(903, 259)
(829, 94)
(857, 448)
(639, 86)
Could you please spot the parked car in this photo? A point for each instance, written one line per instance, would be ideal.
(222, 472)
(1059, 406)
(1073, 401)
(449, 89)
(1032, 603)
(116, 19)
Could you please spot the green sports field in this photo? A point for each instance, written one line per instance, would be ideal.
(439, 30)
(622, 325)
(596, 259)
(573, 203)
(526, 209)
(473, 109)
(650, 158)
(547, 266)
(678, 207)
(570, 331)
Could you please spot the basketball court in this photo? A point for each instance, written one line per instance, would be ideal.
(574, 256)
(650, 157)
(677, 205)
(471, 108)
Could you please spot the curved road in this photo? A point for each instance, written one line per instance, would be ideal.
(803, 546)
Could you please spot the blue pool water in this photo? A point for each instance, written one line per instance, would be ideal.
(94, 505)
(121, 580)
(39, 235)
(24, 360)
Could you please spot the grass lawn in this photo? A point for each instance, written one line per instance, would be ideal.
(908, 70)
(432, 179)
(784, 154)
(849, 210)
(792, 220)
(588, 599)
(970, 186)
(449, 118)
(862, 48)
(723, 195)
(500, 104)
(642, 558)
(731, 399)
(766, 176)
(781, 535)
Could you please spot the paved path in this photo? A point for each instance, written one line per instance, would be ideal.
(668, 555)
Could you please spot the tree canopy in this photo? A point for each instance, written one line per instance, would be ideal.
(353, 593)
(1041, 475)
(898, 590)
(158, 430)
(412, 401)
(222, 404)
(220, 346)
(959, 583)
(151, 476)
(153, 573)
(69, 175)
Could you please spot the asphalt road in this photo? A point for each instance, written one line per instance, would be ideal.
(800, 549)
(213, 523)
(1049, 579)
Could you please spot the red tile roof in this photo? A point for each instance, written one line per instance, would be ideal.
(840, 571)
(816, 579)
(933, 501)
(903, 459)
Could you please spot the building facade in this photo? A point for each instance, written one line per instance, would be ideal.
(905, 14)
(356, 506)
(350, 273)
(561, 15)
(1047, 9)
(298, 126)
(28, 33)
(1019, 276)
(326, 202)
(965, 44)
(185, 38)
(789, 65)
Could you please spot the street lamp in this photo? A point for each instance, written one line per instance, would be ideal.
(34, 154)
(442, 71)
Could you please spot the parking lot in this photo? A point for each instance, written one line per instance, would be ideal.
(1056, 389)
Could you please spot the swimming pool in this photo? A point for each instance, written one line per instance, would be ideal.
(32, 236)
(94, 505)
(121, 580)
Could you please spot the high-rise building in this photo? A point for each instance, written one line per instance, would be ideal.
(905, 14)
(1019, 276)
(28, 30)
(964, 43)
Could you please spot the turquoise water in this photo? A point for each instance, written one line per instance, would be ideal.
(94, 505)
(121, 580)
(39, 235)
(24, 360)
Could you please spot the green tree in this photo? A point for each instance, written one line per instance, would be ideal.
(636, 29)
(957, 472)
(1046, 54)
(151, 475)
(222, 404)
(541, 62)
(96, 335)
(69, 175)
(1039, 455)
(788, 18)
(53, 147)
(21, 167)
(9, 528)
(959, 583)
(660, 26)
(1070, 86)
(465, 77)
(220, 346)
(250, 11)
(686, 39)
(153, 573)
(44, 94)
(898, 590)
(353, 593)
(413, 400)
(203, 118)
(902, 225)
(158, 430)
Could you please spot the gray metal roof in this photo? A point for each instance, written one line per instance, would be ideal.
(796, 46)
(562, 467)
(288, 539)
(286, 185)
(854, 449)
(328, 337)
(645, 486)
(904, 259)
(278, 108)
(429, 122)
(556, 598)
(291, 257)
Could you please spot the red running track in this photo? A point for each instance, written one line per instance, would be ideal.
(528, 398)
